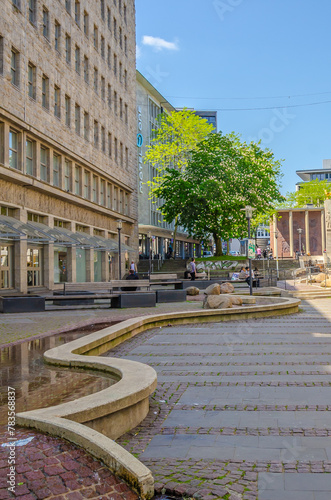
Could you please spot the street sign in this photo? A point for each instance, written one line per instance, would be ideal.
(251, 249)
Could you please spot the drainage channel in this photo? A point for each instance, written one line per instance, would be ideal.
(38, 385)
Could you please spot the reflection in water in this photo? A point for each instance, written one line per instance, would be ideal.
(38, 385)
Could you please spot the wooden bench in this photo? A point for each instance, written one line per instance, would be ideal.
(162, 276)
(104, 286)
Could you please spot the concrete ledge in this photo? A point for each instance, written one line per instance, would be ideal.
(93, 421)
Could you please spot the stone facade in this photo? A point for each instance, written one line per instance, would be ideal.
(68, 122)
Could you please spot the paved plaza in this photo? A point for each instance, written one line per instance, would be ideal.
(242, 409)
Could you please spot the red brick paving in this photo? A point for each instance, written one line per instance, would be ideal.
(49, 467)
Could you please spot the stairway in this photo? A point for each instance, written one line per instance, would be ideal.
(169, 266)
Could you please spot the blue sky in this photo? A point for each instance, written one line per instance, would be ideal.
(246, 54)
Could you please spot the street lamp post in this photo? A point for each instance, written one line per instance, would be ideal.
(249, 214)
(119, 227)
(300, 233)
(149, 235)
(277, 270)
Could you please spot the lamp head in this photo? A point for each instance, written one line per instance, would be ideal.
(119, 224)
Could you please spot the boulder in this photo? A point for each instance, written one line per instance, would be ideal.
(214, 289)
(217, 302)
(227, 288)
(327, 283)
(236, 301)
(192, 290)
(321, 277)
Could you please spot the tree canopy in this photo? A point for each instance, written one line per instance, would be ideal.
(222, 176)
(314, 192)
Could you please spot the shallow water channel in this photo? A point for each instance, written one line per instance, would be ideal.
(38, 385)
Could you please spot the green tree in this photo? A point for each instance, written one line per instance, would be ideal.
(171, 146)
(315, 192)
(222, 177)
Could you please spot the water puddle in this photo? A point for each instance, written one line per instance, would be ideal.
(38, 385)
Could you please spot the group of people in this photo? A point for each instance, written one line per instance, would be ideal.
(266, 253)
(245, 275)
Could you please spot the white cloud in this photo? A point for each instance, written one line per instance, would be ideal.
(158, 43)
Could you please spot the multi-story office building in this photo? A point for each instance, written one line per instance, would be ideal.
(210, 116)
(150, 105)
(67, 140)
(320, 174)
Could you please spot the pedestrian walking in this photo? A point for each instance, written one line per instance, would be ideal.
(193, 269)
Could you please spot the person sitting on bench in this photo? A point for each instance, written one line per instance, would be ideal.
(132, 276)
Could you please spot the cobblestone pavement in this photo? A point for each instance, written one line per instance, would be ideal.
(241, 410)
(48, 467)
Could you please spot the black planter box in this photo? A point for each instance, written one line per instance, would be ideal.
(170, 296)
(22, 303)
(66, 300)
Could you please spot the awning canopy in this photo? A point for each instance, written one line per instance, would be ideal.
(35, 232)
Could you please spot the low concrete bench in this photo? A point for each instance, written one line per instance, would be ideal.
(163, 296)
(162, 276)
(134, 299)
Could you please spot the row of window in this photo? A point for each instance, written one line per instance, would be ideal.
(39, 161)
(122, 9)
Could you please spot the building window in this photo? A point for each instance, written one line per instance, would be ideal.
(45, 92)
(121, 154)
(126, 204)
(127, 158)
(67, 175)
(77, 59)
(77, 180)
(86, 126)
(57, 35)
(120, 6)
(56, 170)
(102, 47)
(126, 114)
(115, 28)
(115, 102)
(45, 22)
(29, 156)
(103, 139)
(77, 12)
(96, 133)
(120, 72)
(86, 23)
(125, 45)
(68, 5)
(86, 185)
(109, 57)
(34, 266)
(125, 79)
(120, 37)
(121, 108)
(13, 149)
(102, 9)
(86, 72)
(115, 65)
(115, 205)
(32, 81)
(95, 189)
(15, 67)
(77, 119)
(109, 18)
(68, 48)
(96, 77)
(124, 13)
(109, 145)
(44, 156)
(67, 102)
(1, 55)
(95, 37)
(108, 195)
(102, 192)
(17, 4)
(115, 148)
(57, 102)
(32, 11)
(109, 96)
(103, 88)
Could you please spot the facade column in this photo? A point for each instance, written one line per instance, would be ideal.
(48, 251)
(20, 270)
(323, 230)
(290, 225)
(307, 249)
(71, 265)
(90, 264)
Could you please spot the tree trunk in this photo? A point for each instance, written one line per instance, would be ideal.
(218, 243)
(174, 238)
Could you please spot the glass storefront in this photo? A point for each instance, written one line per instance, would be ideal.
(6, 267)
(97, 265)
(60, 265)
(81, 265)
(34, 266)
